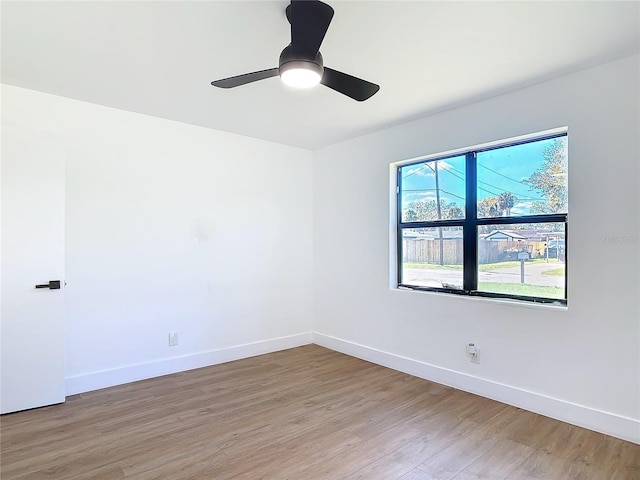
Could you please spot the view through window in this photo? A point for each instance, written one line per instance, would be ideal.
(489, 222)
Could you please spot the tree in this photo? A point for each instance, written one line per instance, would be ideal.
(506, 201)
(426, 210)
(420, 210)
(489, 207)
(551, 179)
(453, 211)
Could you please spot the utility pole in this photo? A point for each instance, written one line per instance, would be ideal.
(546, 248)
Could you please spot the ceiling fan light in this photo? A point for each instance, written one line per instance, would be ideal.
(300, 74)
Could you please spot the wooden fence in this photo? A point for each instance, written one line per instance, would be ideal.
(428, 251)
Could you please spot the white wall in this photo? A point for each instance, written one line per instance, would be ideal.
(172, 227)
(580, 364)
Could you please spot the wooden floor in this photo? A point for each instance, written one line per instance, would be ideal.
(306, 413)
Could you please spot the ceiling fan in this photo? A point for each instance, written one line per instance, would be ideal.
(301, 63)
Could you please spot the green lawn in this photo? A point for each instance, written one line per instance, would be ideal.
(507, 288)
(559, 272)
(522, 289)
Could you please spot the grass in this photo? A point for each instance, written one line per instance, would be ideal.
(507, 288)
(522, 289)
(559, 272)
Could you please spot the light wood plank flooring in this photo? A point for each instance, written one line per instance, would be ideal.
(305, 413)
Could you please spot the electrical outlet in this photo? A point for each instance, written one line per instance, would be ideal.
(173, 339)
(473, 352)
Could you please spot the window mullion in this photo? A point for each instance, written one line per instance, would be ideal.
(399, 242)
(470, 228)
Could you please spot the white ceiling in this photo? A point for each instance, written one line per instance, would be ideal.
(158, 58)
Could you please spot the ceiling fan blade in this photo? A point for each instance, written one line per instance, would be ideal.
(246, 78)
(348, 85)
(309, 21)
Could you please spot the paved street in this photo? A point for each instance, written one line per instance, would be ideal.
(532, 275)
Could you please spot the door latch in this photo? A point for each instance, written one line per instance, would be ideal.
(52, 285)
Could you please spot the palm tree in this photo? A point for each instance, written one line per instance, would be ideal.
(506, 201)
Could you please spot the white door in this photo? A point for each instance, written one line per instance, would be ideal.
(32, 319)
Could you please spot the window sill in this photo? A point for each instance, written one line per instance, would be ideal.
(511, 302)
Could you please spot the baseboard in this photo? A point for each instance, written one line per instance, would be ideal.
(141, 371)
(580, 415)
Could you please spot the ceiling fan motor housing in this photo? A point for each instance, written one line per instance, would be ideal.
(290, 59)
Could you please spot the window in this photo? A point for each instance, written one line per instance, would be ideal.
(487, 222)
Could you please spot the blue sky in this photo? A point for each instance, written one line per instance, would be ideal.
(500, 170)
